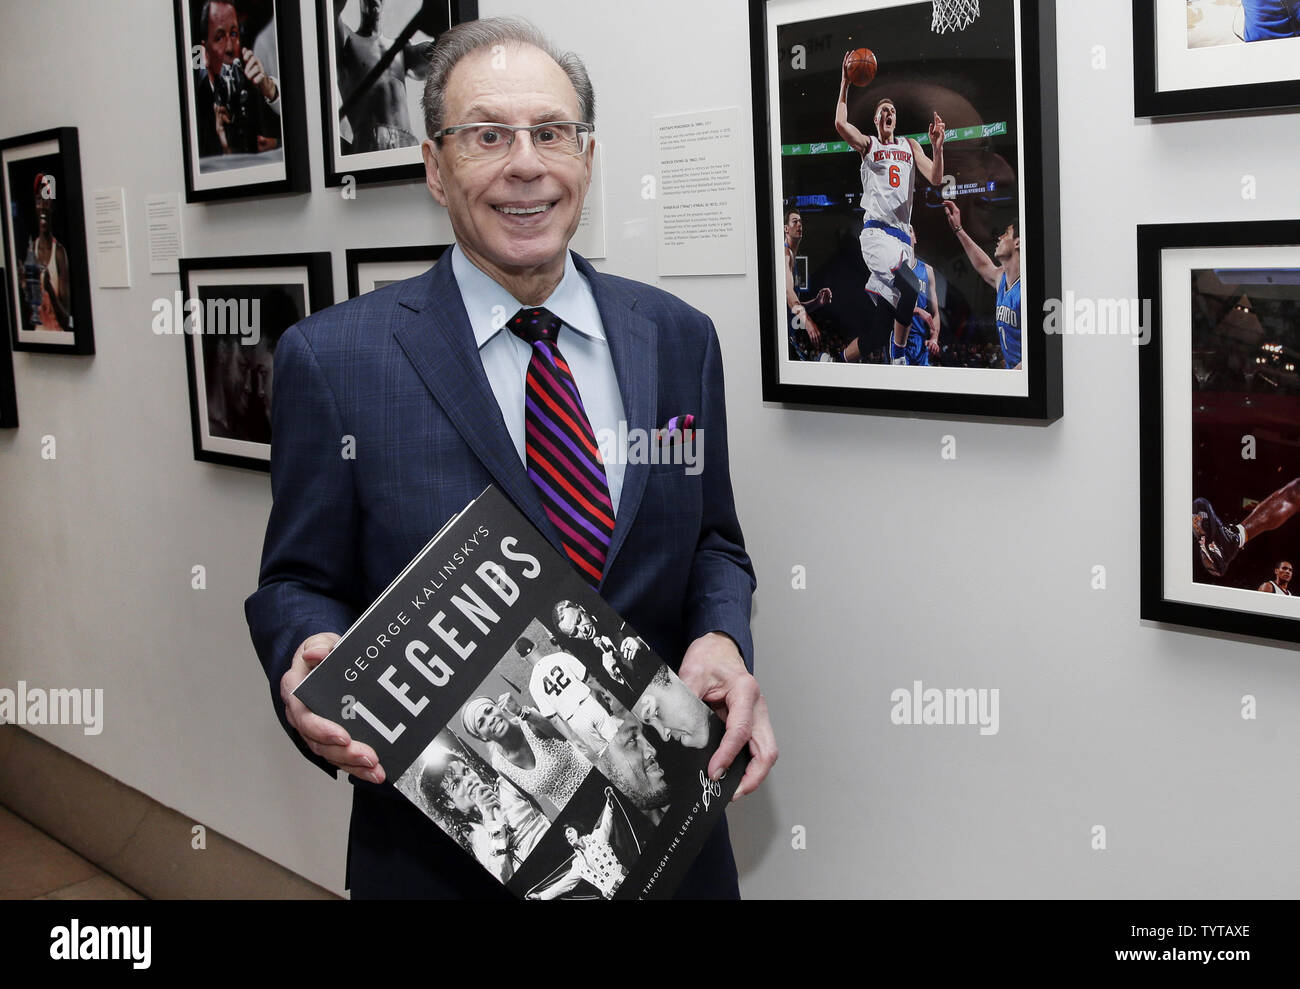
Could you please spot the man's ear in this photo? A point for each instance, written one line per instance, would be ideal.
(432, 175)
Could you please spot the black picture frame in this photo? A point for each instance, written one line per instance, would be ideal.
(398, 164)
(212, 177)
(8, 387)
(219, 369)
(393, 262)
(52, 156)
(1039, 395)
(1192, 401)
(1149, 100)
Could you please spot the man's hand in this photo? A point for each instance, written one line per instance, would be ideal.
(953, 212)
(255, 74)
(823, 297)
(629, 648)
(222, 120)
(714, 671)
(325, 738)
(610, 661)
(937, 130)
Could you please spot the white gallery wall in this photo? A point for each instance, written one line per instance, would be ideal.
(973, 572)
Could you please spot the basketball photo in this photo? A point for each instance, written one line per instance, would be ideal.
(898, 192)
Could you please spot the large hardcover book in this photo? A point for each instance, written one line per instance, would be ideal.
(520, 713)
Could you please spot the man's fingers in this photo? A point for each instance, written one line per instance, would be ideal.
(763, 748)
(358, 755)
(740, 702)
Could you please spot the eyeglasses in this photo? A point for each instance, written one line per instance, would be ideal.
(557, 139)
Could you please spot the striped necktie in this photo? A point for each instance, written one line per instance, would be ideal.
(562, 457)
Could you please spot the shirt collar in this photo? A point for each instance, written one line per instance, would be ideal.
(571, 300)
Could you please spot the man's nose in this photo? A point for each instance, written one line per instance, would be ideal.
(522, 158)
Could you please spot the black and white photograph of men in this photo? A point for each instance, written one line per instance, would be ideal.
(669, 707)
(583, 637)
(376, 114)
(374, 60)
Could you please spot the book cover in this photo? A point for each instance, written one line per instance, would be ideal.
(522, 715)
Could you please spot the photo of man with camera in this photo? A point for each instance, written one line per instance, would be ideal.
(237, 102)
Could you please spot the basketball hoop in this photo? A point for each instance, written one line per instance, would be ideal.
(954, 15)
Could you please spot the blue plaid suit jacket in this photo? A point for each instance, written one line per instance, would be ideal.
(397, 371)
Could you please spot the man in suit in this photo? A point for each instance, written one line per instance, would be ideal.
(435, 397)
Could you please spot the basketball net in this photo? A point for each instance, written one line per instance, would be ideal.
(954, 15)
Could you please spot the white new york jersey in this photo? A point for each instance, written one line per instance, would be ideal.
(888, 175)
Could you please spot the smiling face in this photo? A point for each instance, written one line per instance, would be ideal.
(489, 723)
(44, 214)
(513, 216)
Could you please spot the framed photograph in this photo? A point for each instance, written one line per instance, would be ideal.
(8, 392)
(46, 268)
(906, 164)
(370, 268)
(243, 115)
(1215, 56)
(372, 70)
(1220, 426)
(232, 312)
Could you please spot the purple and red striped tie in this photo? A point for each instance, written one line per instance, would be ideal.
(562, 456)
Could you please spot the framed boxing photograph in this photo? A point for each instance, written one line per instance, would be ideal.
(243, 113)
(1220, 426)
(232, 312)
(908, 204)
(1215, 56)
(8, 391)
(47, 273)
(370, 268)
(373, 56)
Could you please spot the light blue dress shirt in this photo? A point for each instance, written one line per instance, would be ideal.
(582, 342)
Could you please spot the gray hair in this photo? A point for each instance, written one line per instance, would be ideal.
(472, 36)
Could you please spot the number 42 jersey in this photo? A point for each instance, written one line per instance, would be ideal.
(559, 690)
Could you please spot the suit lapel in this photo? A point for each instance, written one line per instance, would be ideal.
(633, 346)
(435, 334)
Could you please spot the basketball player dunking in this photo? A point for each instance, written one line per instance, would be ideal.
(1002, 272)
(888, 171)
(1219, 544)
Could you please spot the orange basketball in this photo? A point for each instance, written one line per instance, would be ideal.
(862, 67)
